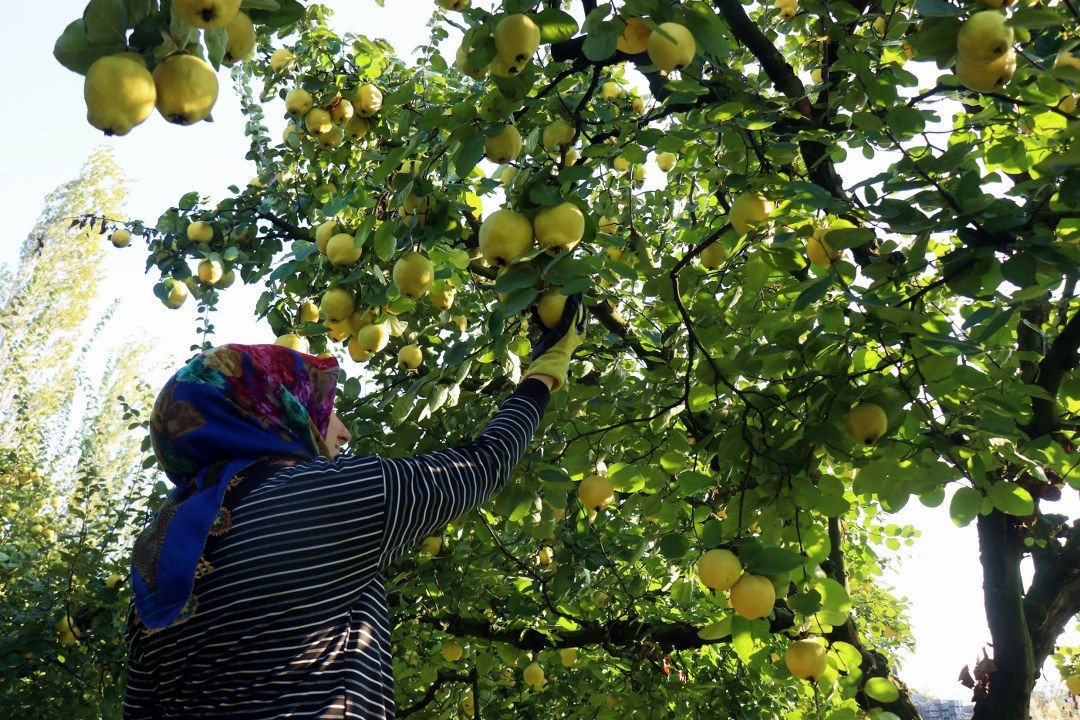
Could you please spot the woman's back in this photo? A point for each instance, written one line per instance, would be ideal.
(286, 605)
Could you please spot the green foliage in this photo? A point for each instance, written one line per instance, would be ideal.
(715, 399)
(71, 499)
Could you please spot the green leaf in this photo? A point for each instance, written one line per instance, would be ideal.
(596, 17)
(933, 498)
(881, 689)
(937, 8)
(936, 40)
(147, 31)
(815, 543)
(1011, 498)
(106, 21)
(511, 498)
(469, 153)
(542, 194)
(270, 5)
(712, 533)
(707, 29)
(137, 10)
(850, 237)
(459, 258)
(634, 154)
(833, 595)
(515, 278)
(742, 637)
(672, 461)
(480, 56)
(361, 235)
(700, 397)
(600, 43)
(1033, 17)
(555, 25)
(848, 656)
(74, 50)
(716, 631)
(385, 242)
(904, 120)
(814, 292)
(629, 478)
(757, 273)
(283, 270)
(674, 546)
(835, 602)
(519, 300)
(772, 560)
(215, 40)
(806, 603)
(287, 13)
(692, 482)
(965, 506)
(181, 33)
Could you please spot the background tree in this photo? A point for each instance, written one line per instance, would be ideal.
(71, 480)
(58, 275)
(787, 354)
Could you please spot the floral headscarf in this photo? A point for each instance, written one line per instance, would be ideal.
(225, 409)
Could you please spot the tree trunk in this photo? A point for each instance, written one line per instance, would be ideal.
(1010, 684)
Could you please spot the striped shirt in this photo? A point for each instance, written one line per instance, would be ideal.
(291, 618)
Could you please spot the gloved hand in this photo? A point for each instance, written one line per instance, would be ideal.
(551, 353)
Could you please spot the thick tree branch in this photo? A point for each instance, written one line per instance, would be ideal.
(1000, 549)
(294, 230)
(485, 271)
(819, 166)
(618, 633)
(1054, 595)
(1059, 359)
(772, 60)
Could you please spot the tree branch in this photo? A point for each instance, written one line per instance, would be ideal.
(614, 323)
(620, 633)
(1000, 549)
(1059, 359)
(819, 166)
(1054, 595)
(772, 60)
(443, 678)
(294, 230)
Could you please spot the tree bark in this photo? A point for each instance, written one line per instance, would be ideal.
(1011, 683)
(1024, 626)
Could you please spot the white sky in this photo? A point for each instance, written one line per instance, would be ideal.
(44, 140)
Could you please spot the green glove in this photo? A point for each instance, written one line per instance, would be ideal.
(551, 354)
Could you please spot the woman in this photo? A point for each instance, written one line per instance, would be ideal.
(257, 585)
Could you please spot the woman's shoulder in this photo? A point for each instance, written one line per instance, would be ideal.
(300, 469)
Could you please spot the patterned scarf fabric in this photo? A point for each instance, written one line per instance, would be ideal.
(225, 409)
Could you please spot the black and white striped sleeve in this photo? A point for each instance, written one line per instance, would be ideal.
(425, 492)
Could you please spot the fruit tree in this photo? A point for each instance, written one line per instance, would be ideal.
(787, 345)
